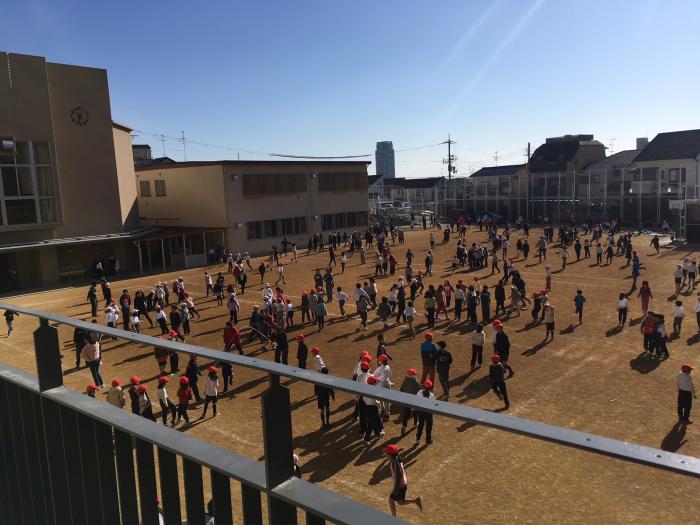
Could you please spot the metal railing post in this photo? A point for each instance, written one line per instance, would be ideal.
(277, 438)
(48, 356)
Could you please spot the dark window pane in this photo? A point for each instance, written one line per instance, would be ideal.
(44, 182)
(47, 208)
(145, 186)
(160, 188)
(9, 181)
(22, 153)
(25, 182)
(41, 153)
(21, 211)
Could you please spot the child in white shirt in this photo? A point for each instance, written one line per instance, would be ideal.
(410, 314)
(135, 321)
(678, 315)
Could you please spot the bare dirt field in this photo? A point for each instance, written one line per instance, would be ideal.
(592, 377)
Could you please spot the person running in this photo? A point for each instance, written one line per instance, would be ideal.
(686, 394)
(400, 487)
(411, 313)
(324, 395)
(9, 319)
(579, 300)
(497, 379)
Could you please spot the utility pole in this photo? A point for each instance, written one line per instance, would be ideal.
(528, 152)
(184, 146)
(495, 157)
(612, 143)
(162, 141)
(450, 158)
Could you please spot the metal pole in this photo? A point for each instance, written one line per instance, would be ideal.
(162, 251)
(138, 247)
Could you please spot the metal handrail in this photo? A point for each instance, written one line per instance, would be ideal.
(634, 453)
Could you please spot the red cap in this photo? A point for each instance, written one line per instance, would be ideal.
(91, 388)
(371, 380)
(428, 384)
(364, 366)
(315, 350)
(364, 353)
(134, 380)
(116, 382)
(382, 358)
(213, 369)
(496, 358)
(184, 381)
(543, 292)
(428, 335)
(163, 379)
(411, 372)
(172, 333)
(687, 368)
(497, 323)
(391, 450)
(300, 337)
(141, 389)
(304, 294)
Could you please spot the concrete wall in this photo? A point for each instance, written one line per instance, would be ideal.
(126, 178)
(195, 197)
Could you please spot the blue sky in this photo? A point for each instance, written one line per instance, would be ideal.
(332, 78)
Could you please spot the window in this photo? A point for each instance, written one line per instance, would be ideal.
(258, 184)
(145, 186)
(343, 220)
(21, 211)
(342, 181)
(160, 188)
(276, 227)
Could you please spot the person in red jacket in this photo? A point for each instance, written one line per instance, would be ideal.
(232, 337)
(184, 395)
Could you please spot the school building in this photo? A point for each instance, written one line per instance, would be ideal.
(251, 205)
(68, 192)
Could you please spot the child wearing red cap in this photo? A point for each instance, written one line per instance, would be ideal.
(302, 351)
(211, 390)
(318, 360)
(410, 385)
(323, 400)
(686, 394)
(428, 352)
(91, 389)
(184, 395)
(145, 406)
(370, 407)
(115, 395)
(133, 394)
(361, 374)
(398, 474)
(383, 375)
(497, 379)
(425, 419)
(165, 403)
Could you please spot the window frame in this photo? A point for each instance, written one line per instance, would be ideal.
(145, 184)
(158, 191)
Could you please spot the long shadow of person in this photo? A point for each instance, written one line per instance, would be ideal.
(644, 363)
(674, 439)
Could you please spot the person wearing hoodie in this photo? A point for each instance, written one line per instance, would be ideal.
(91, 354)
(211, 391)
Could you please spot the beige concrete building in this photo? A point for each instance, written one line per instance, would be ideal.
(252, 205)
(68, 192)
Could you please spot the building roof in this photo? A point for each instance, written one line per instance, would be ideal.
(422, 182)
(121, 126)
(672, 145)
(490, 171)
(621, 159)
(141, 146)
(138, 233)
(371, 179)
(556, 152)
(193, 164)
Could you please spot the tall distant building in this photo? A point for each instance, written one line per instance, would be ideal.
(384, 157)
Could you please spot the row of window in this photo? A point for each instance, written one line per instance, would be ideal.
(350, 219)
(276, 228)
(257, 184)
(27, 193)
(145, 187)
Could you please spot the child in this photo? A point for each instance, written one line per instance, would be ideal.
(443, 361)
(661, 348)
(548, 278)
(579, 299)
(677, 277)
(478, 341)
(425, 419)
(161, 320)
(192, 373)
(318, 360)
(622, 305)
(678, 315)
(211, 391)
(184, 394)
(305, 307)
(135, 321)
(91, 389)
(302, 351)
(410, 385)
(398, 474)
(165, 403)
(410, 314)
(115, 395)
(133, 395)
(341, 296)
(161, 355)
(549, 321)
(384, 311)
(497, 379)
(226, 374)
(9, 318)
(290, 314)
(145, 406)
(323, 399)
(373, 422)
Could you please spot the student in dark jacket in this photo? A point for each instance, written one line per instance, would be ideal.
(500, 296)
(176, 322)
(133, 394)
(192, 373)
(502, 345)
(497, 379)
(443, 361)
(410, 385)
(302, 351)
(92, 298)
(323, 398)
(281, 346)
(79, 341)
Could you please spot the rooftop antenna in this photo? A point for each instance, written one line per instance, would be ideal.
(184, 146)
(612, 143)
(495, 157)
(162, 141)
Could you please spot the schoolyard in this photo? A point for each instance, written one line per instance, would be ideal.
(593, 377)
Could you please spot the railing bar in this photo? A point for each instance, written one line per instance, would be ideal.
(28, 456)
(90, 473)
(169, 487)
(221, 493)
(312, 519)
(194, 492)
(107, 473)
(57, 471)
(125, 477)
(42, 459)
(9, 473)
(252, 505)
(71, 451)
(148, 491)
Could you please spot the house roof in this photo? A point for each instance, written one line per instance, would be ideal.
(490, 171)
(141, 146)
(121, 126)
(556, 152)
(672, 145)
(621, 159)
(371, 179)
(423, 182)
(157, 164)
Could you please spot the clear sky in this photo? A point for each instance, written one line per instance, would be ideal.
(332, 78)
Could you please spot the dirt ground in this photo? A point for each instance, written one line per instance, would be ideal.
(592, 377)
